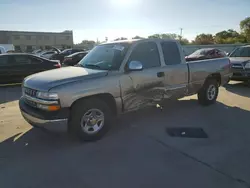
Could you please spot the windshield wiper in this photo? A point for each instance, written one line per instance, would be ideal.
(91, 66)
(78, 65)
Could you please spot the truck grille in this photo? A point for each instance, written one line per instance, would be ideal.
(30, 92)
(31, 103)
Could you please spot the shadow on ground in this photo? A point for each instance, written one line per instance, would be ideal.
(10, 93)
(239, 88)
(39, 140)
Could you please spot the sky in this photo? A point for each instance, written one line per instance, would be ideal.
(97, 19)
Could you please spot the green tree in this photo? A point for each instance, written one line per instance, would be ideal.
(184, 41)
(155, 36)
(138, 37)
(121, 38)
(229, 37)
(87, 44)
(204, 39)
(169, 36)
(164, 36)
(245, 28)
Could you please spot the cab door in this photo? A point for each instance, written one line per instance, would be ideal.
(175, 70)
(141, 88)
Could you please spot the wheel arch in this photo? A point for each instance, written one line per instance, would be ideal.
(105, 97)
(216, 76)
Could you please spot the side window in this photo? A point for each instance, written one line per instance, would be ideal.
(21, 59)
(222, 53)
(3, 60)
(147, 53)
(81, 55)
(211, 52)
(34, 60)
(171, 53)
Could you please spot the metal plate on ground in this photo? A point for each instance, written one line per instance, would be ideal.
(187, 132)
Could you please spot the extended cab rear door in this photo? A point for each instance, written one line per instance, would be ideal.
(175, 69)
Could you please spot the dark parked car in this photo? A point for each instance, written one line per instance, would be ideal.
(73, 59)
(60, 56)
(206, 53)
(240, 59)
(15, 67)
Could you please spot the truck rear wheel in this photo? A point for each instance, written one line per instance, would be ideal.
(209, 92)
(90, 119)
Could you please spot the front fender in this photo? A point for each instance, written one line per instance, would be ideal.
(71, 92)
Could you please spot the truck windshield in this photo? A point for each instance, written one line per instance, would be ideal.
(241, 52)
(105, 57)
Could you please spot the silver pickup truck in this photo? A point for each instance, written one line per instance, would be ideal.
(115, 78)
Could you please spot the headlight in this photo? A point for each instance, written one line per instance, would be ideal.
(247, 66)
(47, 95)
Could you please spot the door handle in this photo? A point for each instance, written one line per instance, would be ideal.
(160, 74)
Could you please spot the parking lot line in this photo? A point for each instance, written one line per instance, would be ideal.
(13, 84)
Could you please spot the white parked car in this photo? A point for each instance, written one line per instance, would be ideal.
(4, 48)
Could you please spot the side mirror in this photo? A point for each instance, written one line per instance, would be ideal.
(228, 53)
(135, 66)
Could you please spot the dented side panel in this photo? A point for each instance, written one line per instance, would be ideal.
(140, 88)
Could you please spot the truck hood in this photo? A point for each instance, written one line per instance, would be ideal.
(44, 81)
(239, 60)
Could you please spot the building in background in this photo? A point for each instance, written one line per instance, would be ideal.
(26, 41)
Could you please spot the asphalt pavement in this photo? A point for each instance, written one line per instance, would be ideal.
(138, 152)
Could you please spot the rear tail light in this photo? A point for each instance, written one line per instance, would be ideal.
(58, 65)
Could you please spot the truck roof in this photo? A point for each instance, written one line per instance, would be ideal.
(135, 40)
(9, 54)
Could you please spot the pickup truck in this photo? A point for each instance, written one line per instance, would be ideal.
(240, 60)
(115, 78)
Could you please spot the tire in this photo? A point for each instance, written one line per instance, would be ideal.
(204, 97)
(247, 83)
(77, 122)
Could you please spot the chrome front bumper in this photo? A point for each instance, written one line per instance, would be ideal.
(37, 119)
(41, 122)
(59, 125)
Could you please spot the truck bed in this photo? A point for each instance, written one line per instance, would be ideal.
(200, 70)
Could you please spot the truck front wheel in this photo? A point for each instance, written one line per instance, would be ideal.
(209, 92)
(90, 119)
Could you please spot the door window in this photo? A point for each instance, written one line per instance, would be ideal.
(221, 53)
(171, 53)
(21, 59)
(34, 60)
(147, 53)
(80, 56)
(3, 60)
